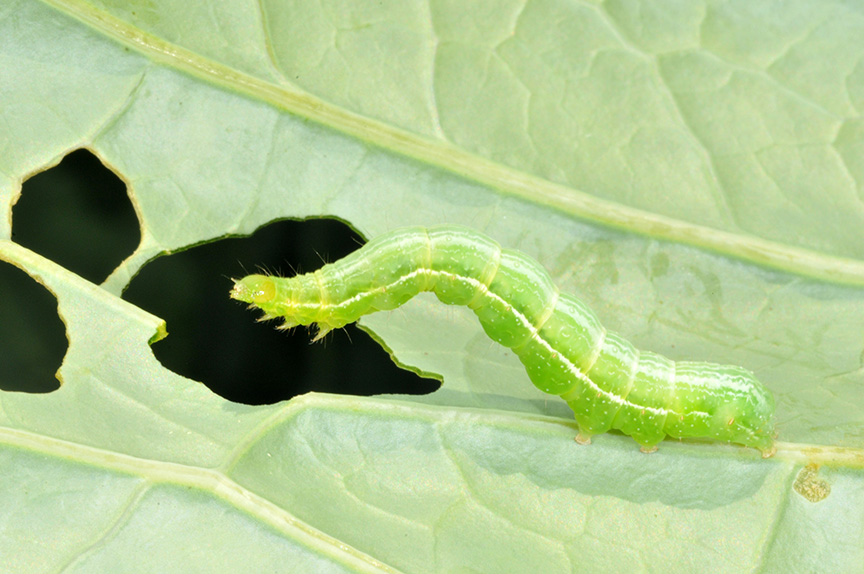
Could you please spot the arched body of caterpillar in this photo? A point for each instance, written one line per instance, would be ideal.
(607, 382)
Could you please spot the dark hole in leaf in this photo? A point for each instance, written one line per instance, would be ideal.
(32, 336)
(218, 341)
(79, 215)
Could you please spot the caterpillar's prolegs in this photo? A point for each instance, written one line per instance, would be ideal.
(583, 438)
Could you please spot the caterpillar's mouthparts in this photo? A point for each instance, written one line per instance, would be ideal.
(254, 289)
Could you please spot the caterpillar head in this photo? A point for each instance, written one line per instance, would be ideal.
(254, 289)
(296, 300)
(262, 292)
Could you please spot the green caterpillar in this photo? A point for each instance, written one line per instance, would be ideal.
(606, 381)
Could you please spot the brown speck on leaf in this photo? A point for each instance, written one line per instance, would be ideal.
(809, 485)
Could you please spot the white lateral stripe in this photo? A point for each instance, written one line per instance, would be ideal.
(535, 335)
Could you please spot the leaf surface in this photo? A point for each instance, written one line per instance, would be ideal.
(691, 170)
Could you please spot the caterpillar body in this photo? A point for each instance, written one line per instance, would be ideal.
(607, 382)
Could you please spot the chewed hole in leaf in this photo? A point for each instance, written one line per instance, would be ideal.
(79, 215)
(218, 341)
(32, 336)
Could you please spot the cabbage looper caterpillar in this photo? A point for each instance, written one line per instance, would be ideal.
(607, 382)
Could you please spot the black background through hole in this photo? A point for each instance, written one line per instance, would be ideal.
(32, 336)
(218, 341)
(79, 215)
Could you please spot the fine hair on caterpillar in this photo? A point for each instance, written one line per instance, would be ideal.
(609, 384)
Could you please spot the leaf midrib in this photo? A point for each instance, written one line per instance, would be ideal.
(527, 187)
(213, 481)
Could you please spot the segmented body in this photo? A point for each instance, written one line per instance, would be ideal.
(607, 382)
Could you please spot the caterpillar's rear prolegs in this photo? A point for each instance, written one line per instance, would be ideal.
(583, 437)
